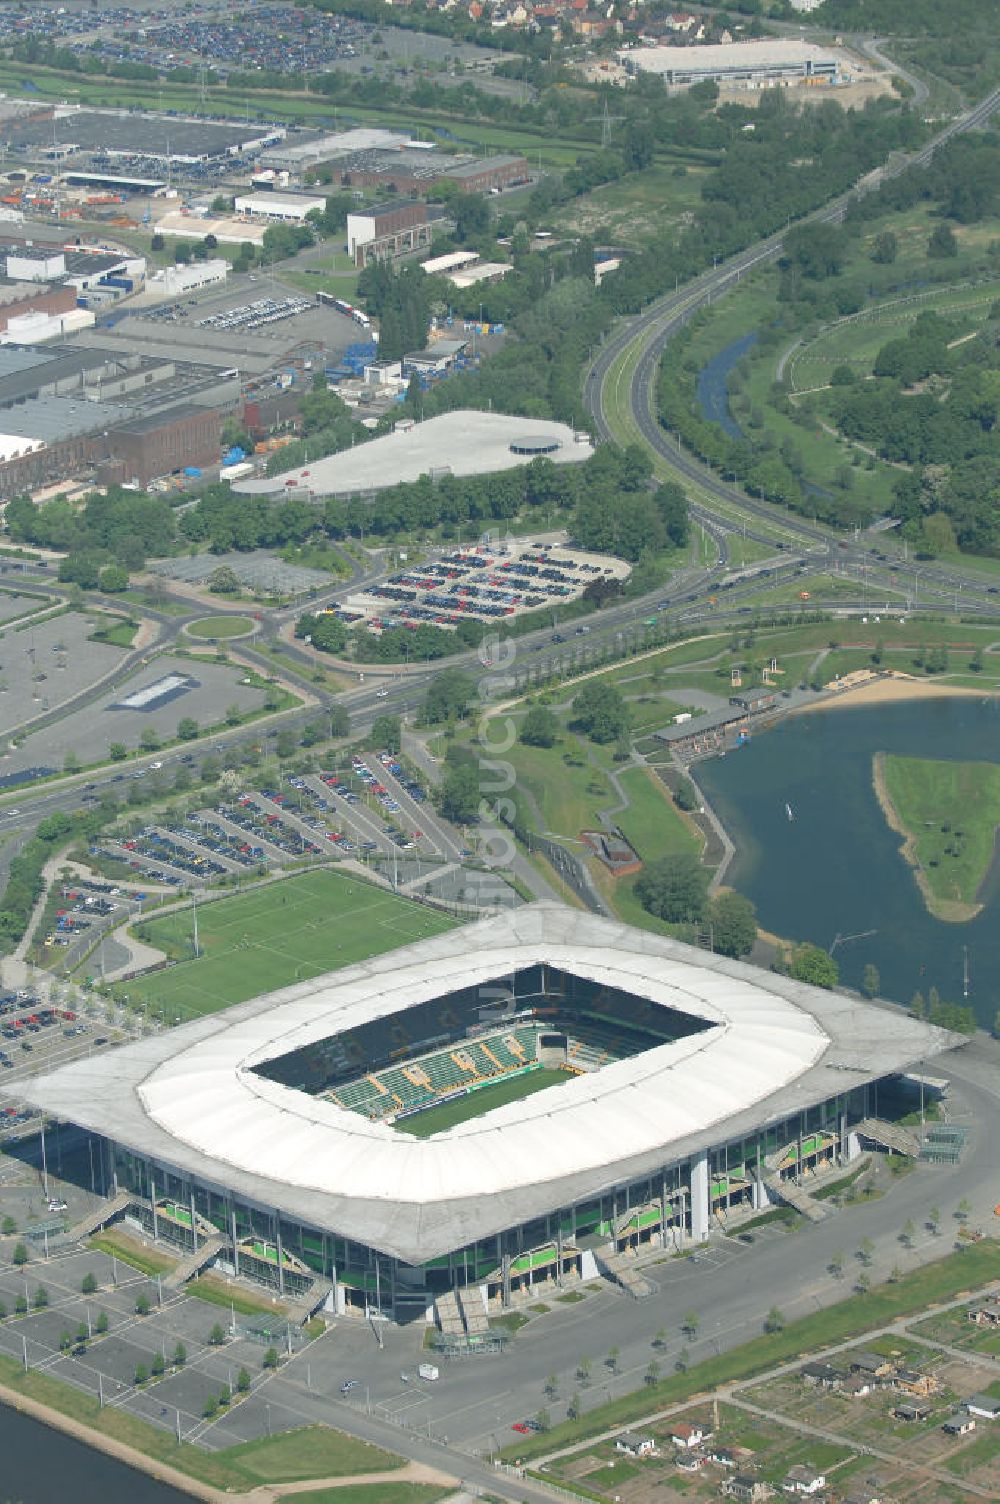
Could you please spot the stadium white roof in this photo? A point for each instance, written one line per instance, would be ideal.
(465, 442)
(191, 1099)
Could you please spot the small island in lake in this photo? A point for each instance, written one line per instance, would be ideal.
(948, 814)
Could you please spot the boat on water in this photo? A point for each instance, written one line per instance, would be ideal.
(789, 812)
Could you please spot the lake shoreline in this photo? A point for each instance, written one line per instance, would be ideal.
(949, 911)
(891, 689)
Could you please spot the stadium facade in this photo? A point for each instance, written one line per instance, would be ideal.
(274, 1138)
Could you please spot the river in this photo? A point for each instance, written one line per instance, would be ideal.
(39, 1466)
(713, 384)
(833, 873)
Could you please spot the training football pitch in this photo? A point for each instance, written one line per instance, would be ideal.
(275, 935)
(475, 1103)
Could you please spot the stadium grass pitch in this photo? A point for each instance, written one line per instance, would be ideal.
(272, 936)
(475, 1103)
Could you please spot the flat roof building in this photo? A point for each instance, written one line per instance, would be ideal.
(771, 60)
(388, 230)
(465, 442)
(281, 208)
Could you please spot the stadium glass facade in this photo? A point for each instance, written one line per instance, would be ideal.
(670, 1208)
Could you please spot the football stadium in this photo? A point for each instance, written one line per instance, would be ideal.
(529, 1101)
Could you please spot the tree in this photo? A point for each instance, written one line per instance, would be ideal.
(600, 711)
(809, 963)
(661, 1337)
(908, 1232)
(88, 1284)
(543, 1420)
(963, 1209)
(8, 1226)
(387, 733)
(690, 1323)
(113, 578)
(733, 920)
(210, 1408)
(942, 242)
(224, 581)
(885, 248)
(863, 1284)
(141, 1375)
(217, 1335)
(918, 1007)
(934, 1219)
(180, 1355)
(117, 751)
(41, 1298)
(101, 1324)
(270, 1358)
(682, 1360)
(540, 727)
(673, 888)
(243, 1381)
(870, 981)
(20, 1255)
(686, 795)
(774, 1321)
(583, 1370)
(158, 1365)
(865, 1250)
(458, 798)
(142, 1306)
(652, 1374)
(836, 1265)
(150, 739)
(611, 1361)
(233, 715)
(551, 1386)
(187, 728)
(449, 697)
(575, 1406)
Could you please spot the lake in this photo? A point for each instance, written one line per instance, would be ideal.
(834, 869)
(713, 384)
(40, 1465)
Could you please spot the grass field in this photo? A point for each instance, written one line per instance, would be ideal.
(949, 812)
(214, 628)
(514, 1089)
(272, 936)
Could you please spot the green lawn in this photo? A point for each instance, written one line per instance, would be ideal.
(376, 1493)
(514, 1089)
(214, 628)
(949, 813)
(310, 1452)
(272, 936)
(215, 1292)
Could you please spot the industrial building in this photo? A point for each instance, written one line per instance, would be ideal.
(411, 169)
(689, 1091)
(302, 150)
(456, 443)
(59, 131)
(279, 208)
(176, 281)
(123, 415)
(747, 64)
(386, 231)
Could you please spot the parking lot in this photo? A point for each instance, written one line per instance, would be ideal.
(481, 583)
(41, 666)
(256, 570)
(89, 732)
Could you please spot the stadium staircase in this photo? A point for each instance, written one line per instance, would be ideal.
(619, 1273)
(470, 1303)
(795, 1196)
(193, 1263)
(890, 1136)
(101, 1216)
(308, 1304)
(449, 1314)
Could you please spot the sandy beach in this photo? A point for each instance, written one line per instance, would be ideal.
(886, 690)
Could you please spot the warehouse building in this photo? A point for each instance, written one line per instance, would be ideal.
(412, 170)
(685, 1091)
(279, 208)
(748, 64)
(386, 231)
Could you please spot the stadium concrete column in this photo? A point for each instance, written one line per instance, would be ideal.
(700, 1201)
(152, 1204)
(232, 1235)
(194, 1222)
(281, 1256)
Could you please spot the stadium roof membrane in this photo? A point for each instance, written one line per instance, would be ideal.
(191, 1098)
